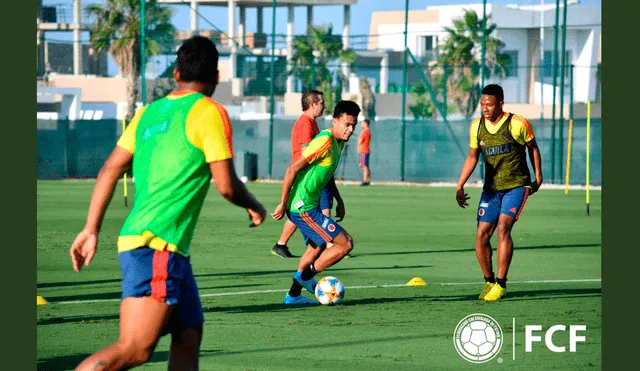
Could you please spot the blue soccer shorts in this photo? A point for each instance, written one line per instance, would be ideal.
(315, 227)
(166, 277)
(326, 199)
(364, 159)
(509, 202)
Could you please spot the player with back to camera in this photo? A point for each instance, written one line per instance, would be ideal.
(175, 145)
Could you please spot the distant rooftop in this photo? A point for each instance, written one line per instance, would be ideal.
(255, 3)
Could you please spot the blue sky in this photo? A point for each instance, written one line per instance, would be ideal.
(216, 17)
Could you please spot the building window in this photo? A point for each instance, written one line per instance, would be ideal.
(512, 69)
(547, 64)
(427, 46)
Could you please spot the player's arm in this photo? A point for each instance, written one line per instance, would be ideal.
(287, 183)
(333, 189)
(467, 169)
(469, 165)
(525, 133)
(234, 191)
(536, 163)
(86, 243)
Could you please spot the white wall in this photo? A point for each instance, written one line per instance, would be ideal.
(513, 23)
(516, 88)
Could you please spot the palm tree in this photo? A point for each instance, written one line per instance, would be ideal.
(460, 55)
(327, 49)
(117, 30)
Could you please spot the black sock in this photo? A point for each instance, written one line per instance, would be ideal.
(295, 289)
(490, 279)
(502, 282)
(308, 273)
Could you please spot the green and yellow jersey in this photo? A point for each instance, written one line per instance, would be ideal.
(323, 154)
(172, 141)
(503, 148)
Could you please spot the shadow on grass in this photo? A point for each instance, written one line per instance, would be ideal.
(75, 283)
(291, 271)
(70, 362)
(225, 274)
(116, 296)
(517, 248)
(331, 345)
(513, 295)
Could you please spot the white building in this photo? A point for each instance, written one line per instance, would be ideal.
(519, 27)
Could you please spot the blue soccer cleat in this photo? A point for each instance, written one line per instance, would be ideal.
(309, 285)
(288, 299)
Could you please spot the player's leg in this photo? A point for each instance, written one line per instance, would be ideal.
(484, 251)
(505, 247)
(310, 255)
(141, 323)
(184, 353)
(186, 325)
(150, 289)
(319, 230)
(342, 245)
(512, 205)
(294, 296)
(326, 202)
(365, 170)
(488, 214)
(280, 248)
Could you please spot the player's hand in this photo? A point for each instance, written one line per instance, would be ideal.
(83, 249)
(279, 212)
(340, 211)
(256, 216)
(462, 198)
(535, 186)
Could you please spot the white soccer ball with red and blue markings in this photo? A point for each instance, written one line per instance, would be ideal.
(329, 291)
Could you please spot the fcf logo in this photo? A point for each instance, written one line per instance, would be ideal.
(530, 337)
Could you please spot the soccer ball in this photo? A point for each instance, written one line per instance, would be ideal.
(329, 291)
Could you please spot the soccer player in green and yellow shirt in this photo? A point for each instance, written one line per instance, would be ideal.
(174, 145)
(504, 139)
(301, 193)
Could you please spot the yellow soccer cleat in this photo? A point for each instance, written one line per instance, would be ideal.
(496, 293)
(487, 287)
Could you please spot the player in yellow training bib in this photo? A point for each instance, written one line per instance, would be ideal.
(504, 140)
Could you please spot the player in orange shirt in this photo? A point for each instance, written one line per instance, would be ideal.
(305, 129)
(363, 148)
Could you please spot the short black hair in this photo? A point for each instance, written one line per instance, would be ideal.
(309, 97)
(495, 90)
(198, 60)
(346, 106)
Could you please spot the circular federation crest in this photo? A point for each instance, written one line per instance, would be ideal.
(478, 338)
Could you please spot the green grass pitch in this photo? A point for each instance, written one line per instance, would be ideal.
(400, 233)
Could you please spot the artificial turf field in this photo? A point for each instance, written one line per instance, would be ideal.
(400, 232)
